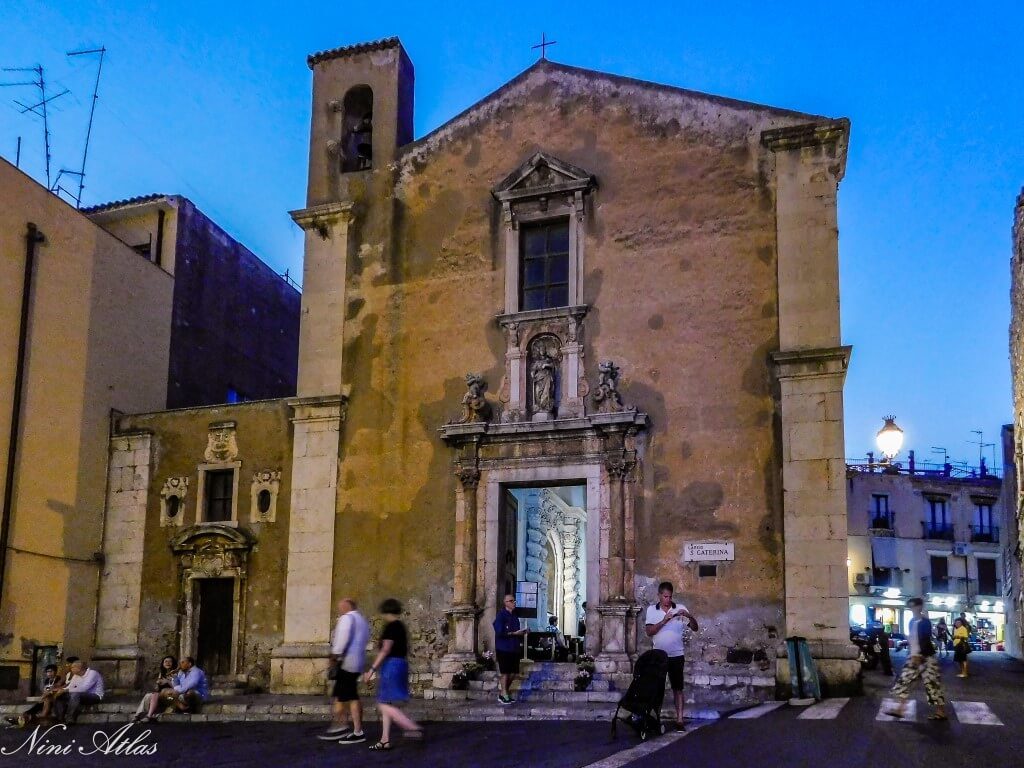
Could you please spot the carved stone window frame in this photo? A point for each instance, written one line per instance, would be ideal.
(174, 487)
(201, 470)
(543, 189)
(268, 480)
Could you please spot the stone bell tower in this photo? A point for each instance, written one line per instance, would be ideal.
(361, 116)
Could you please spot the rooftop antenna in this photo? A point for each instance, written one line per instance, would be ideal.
(982, 445)
(39, 83)
(943, 451)
(92, 111)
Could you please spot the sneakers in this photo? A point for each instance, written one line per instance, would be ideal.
(503, 699)
(334, 734)
(352, 738)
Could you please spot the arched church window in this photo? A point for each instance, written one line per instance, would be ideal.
(357, 129)
(173, 506)
(263, 501)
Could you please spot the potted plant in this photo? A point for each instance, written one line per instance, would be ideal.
(486, 660)
(472, 669)
(584, 672)
(460, 681)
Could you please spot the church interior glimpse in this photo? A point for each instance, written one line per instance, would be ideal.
(543, 561)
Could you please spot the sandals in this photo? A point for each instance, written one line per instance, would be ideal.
(381, 746)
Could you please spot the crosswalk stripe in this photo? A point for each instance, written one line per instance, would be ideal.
(975, 713)
(760, 709)
(824, 710)
(909, 709)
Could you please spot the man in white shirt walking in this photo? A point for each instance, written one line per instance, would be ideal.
(86, 687)
(348, 655)
(664, 624)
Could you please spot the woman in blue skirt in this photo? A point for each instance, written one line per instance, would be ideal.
(392, 665)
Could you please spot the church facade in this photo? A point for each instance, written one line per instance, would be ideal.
(580, 339)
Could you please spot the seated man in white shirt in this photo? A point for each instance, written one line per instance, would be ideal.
(85, 687)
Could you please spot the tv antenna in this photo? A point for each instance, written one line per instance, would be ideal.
(982, 445)
(80, 173)
(943, 451)
(39, 108)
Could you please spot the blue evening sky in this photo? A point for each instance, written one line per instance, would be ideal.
(211, 101)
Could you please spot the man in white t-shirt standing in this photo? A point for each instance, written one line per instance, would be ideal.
(664, 623)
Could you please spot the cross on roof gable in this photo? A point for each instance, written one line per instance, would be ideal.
(543, 173)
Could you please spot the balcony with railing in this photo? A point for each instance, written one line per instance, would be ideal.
(881, 523)
(985, 534)
(946, 585)
(932, 530)
(986, 588)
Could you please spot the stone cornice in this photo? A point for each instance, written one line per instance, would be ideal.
(806, 135)
(578, 311)
(320, 408)
(599, 422)
(322, 217)
(803, 363)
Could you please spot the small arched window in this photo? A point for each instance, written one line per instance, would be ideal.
(263, 501)
(173, 507)
(357, 129)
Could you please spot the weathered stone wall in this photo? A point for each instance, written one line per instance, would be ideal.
(179, 440)
(1017, 372)
(680, 274)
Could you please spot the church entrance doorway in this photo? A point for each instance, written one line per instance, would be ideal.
(215, 600)
(542, 559)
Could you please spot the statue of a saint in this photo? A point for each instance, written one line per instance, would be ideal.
(542, 372)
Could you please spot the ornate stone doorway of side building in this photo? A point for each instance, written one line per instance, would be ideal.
(213, 567)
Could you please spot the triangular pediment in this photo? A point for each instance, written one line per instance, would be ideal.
(542, 173)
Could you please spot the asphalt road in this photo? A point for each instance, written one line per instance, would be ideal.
(853, 738)
(847, 735)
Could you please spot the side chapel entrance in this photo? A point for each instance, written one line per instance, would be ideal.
(542, 554)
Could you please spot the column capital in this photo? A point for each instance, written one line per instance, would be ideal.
(809, 363)
(468, 476)
(322, 217)
(321, 408)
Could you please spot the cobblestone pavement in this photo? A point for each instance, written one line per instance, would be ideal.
(549, 744)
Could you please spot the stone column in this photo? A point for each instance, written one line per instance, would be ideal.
(299, 664)
(118, 656)
(811, 367)
(464, 610)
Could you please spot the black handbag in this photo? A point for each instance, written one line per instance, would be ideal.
(332, 671)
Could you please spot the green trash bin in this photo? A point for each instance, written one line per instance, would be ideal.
(803, 674)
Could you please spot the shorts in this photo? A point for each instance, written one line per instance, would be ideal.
(675, 672)
(346, 686)
(508, 662)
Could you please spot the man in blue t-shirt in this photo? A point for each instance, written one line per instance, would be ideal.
(507, 647)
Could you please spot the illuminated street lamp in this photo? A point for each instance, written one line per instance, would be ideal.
(889, 439)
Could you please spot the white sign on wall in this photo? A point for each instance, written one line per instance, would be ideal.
(707, 550)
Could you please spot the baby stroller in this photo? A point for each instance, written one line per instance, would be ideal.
(642, 699)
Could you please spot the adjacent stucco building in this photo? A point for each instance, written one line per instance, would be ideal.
(1016, 517)
(234, 322)
(934, 533)
(84, 332)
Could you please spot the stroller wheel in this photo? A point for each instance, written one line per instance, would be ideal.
(663, 729)
(643, 734)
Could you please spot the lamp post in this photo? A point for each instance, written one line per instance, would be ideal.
(889, 440)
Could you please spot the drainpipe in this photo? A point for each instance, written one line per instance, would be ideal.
(33, 237)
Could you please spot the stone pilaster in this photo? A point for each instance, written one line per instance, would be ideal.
(299, 664)
(811, 368)
(323, 297)
(462, 646)
(117, 654)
